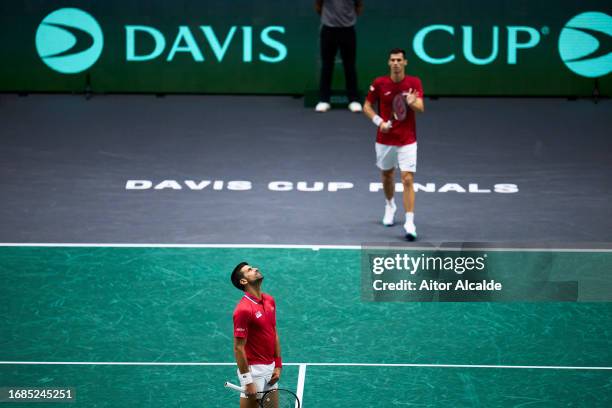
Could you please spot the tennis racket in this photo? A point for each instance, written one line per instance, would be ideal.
(399, 108)
(278, 398)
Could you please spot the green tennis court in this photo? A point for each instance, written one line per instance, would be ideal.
(151, 326)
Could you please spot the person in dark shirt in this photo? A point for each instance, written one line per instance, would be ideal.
(338, 18)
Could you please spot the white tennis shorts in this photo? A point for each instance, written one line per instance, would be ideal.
(388, 157)
(261, 375)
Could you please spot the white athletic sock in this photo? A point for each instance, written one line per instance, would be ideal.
(409, 217)
(391, 202)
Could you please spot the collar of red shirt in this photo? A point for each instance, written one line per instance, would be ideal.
(253, 298)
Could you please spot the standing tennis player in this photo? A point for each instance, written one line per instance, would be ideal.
(256, 342)
(396, 137)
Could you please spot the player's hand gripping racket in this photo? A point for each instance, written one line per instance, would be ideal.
(279, 398)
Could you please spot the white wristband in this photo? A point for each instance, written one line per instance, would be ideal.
(377, 120)
(246, 379)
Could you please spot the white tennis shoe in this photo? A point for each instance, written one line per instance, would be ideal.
(322, 107)
(410, 228)
(388, 219)
(355, 107)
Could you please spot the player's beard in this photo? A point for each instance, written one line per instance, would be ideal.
(259, 279)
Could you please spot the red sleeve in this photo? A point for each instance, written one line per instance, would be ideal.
(419, 88)
(273, 301)
(241, 322)
(373, 93)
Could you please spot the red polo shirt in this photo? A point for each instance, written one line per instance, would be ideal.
(255, 320)
(383, 90)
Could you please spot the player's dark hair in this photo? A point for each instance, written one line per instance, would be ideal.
(397, 51)
(237, 275)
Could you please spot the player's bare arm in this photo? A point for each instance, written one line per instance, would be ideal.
(277, 370)
(369, 111)
(414, 101)
(243, 365)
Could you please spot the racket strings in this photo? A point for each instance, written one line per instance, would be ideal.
(399, 107)
(279, 399)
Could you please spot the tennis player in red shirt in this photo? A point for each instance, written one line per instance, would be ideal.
(256, 341)
(396, 144)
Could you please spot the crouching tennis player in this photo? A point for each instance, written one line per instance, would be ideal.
(256, 342)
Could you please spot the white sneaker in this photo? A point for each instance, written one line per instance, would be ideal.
(355, 107)
(410, 229)
(322, 107)
(388, 219)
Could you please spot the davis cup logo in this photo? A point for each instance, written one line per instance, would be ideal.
(69, 40)
(585, 44)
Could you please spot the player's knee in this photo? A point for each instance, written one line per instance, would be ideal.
(407, 179)
(388, 175)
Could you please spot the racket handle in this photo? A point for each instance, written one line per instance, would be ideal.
(233, 386)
